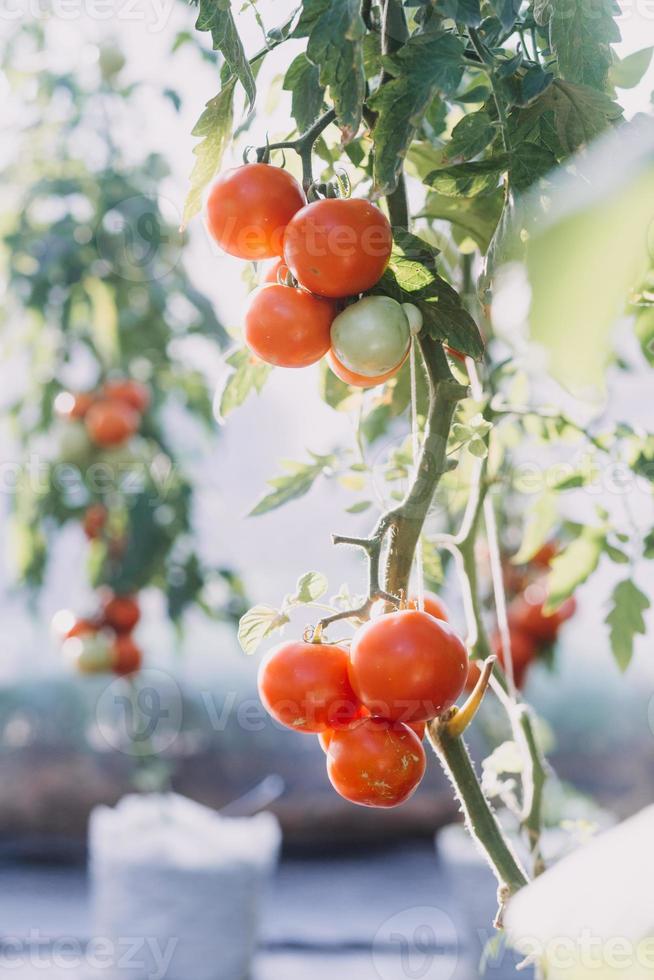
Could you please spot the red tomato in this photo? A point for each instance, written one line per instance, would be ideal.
(82, 627)
(526, 614)
(275, 270)
(305, 686)
(543, 557)
(248, 209)
(376, 763)
(408, 666)
(359, 380)
(432, 605)
(122, 613)
(288, 327)
(523, 652)
(95, 519)
(111, 422)
(133, 393)
(73, 406)
(338, 248)
(127, 657)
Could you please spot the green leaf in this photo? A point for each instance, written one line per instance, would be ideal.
(215, 129)
(570, 568)
(580, 35)
(258, 623)
(616, 554)
(476, 216)
(310, 587)
(411, 277)
(359, 507)
(628, 72)
(538, 528)
(462, 11)
(648, 546)
(626, 620)
(303, 80)
(298, 482)
(216, 16)
(249, 374)
(336, 48)
(333, 391)
(104, 319)
(565, 117)
(468, 179)
(426, 65)
(529, 163)
(470, 136)
(432, 566)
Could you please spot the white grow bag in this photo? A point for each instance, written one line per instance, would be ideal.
(176, 888)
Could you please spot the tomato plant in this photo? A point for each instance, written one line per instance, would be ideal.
(95, 283)
(460, 141)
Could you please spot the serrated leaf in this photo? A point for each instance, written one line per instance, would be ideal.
(529, 163)
(626, 621)
(628, 72)
(580, 35)
(296, 484)
(470, 136)
(258, 623)
(336, 48)
(538, 528)
(577, 114)
(214, 127)
(216, 16)
(310, 587)
(468, 179)
(426, 65)
(249, 374)
(303, 80)
(411, 277)
(570, 568)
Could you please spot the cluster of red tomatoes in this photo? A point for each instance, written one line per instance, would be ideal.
(369, 704)
(103, 643)
(531, 631)
(323, 253)
(111, 415)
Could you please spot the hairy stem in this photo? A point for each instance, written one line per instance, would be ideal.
(407, 520)
(479, 816)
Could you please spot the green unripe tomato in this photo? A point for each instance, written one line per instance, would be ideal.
(90, 654)
(73, 444)
(372, 336)
(414, 316)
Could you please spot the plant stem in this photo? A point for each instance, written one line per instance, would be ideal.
(407, 520)
(303, 146)
(487, 63)
(479, 816)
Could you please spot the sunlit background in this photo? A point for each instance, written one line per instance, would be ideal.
(269, 552)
